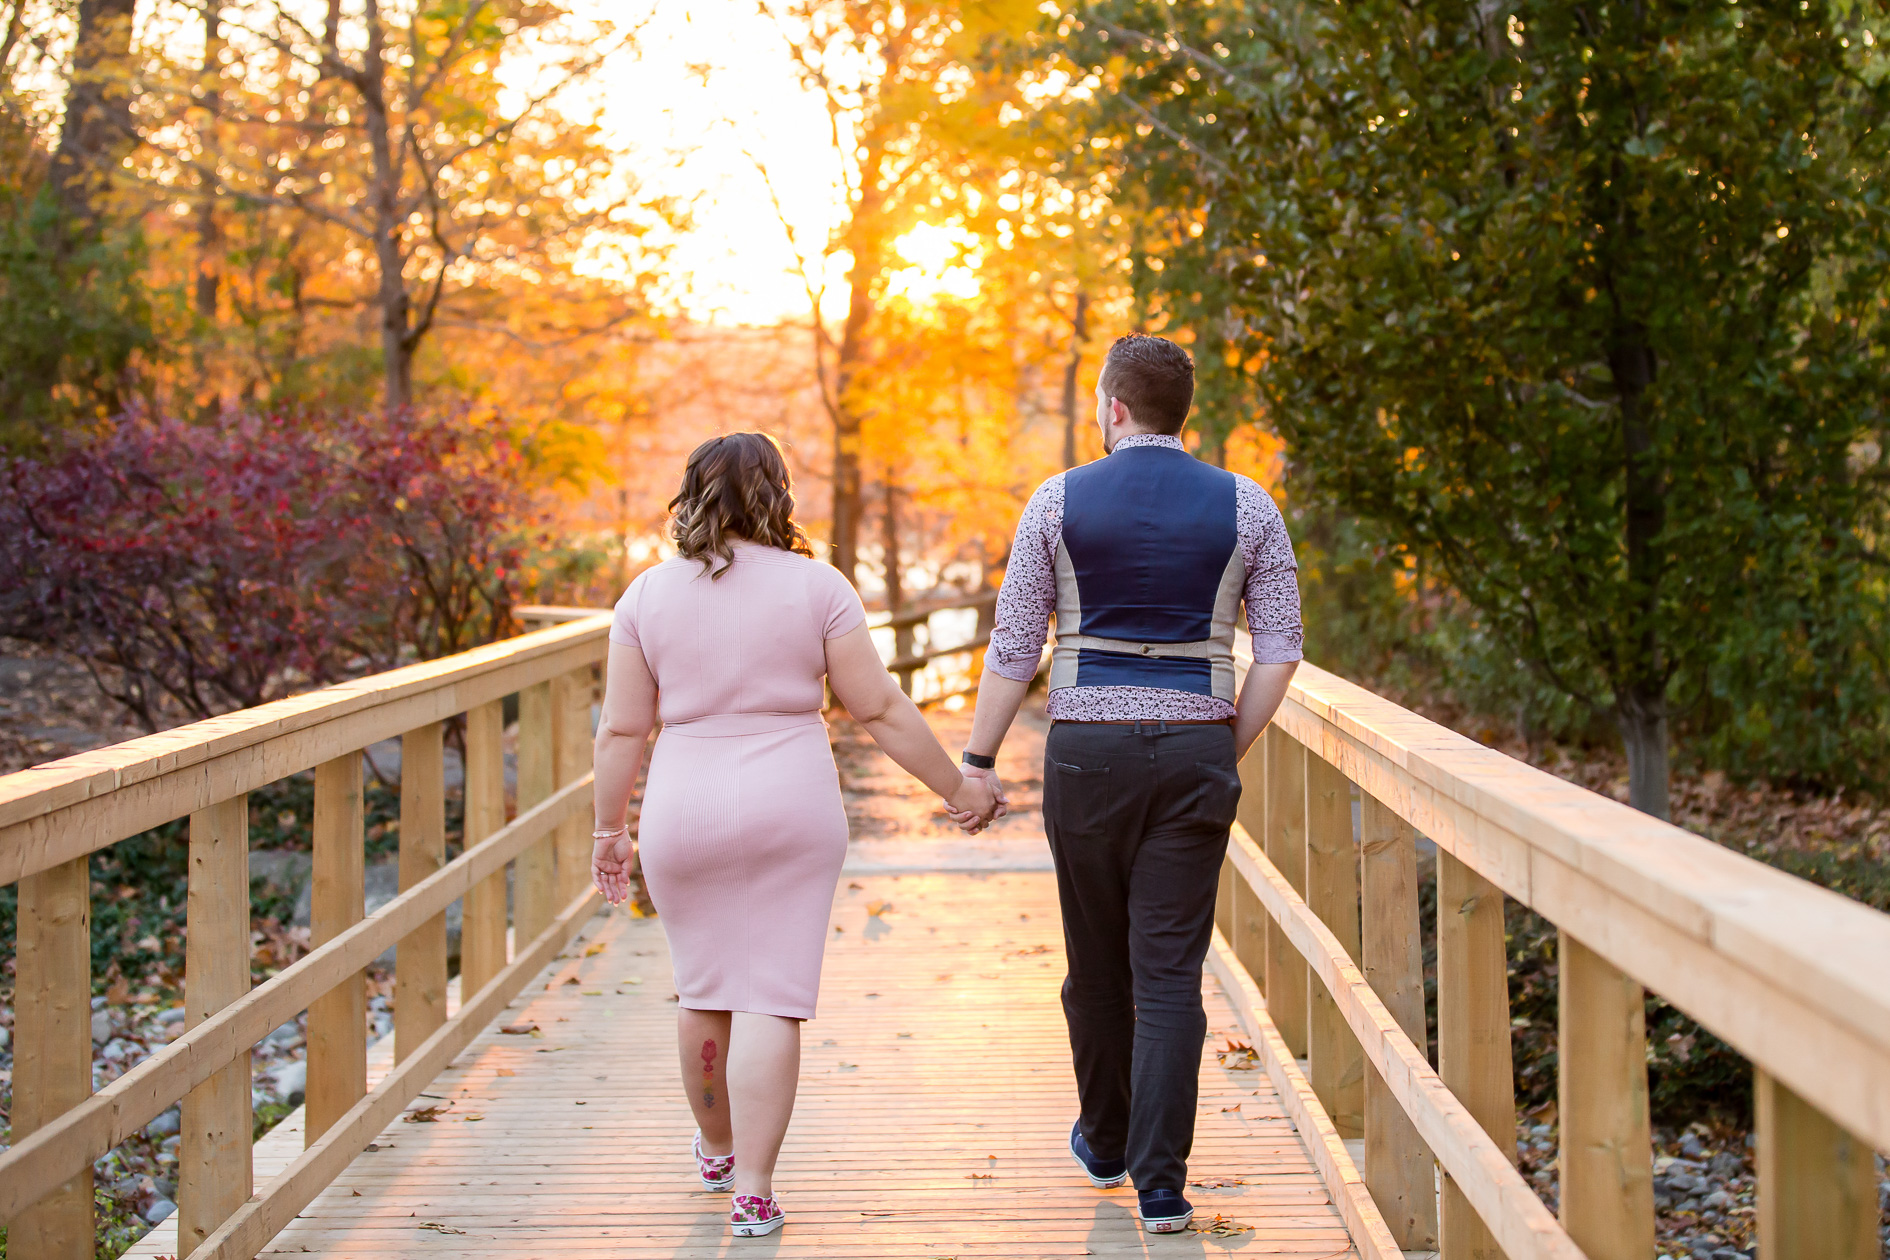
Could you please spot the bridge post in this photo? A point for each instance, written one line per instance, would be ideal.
(420, 960)
(482, 915)
(1399, 1169)
(535, 871)
(571, 761)
(213, 1164)
(1606, 1155)
(1285, 846)
(52, 1048)
(1473, 1040)
(1336, 1062)
(1817, 1182)
(337, 1021)
(1246, 928)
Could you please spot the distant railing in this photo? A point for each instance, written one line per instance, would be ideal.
(1794, 977)
(54, 816)
(533, 616)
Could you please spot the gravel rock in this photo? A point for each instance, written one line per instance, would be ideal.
(291, 1081)
(175, 1015)
(6, 1037)
(101, 1027)
(290, 1034)
(167, 1123)
(159, 1209)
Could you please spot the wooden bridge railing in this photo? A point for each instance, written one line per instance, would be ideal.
(1794, 977)
(53, 817)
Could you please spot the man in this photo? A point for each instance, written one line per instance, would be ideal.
(1144, 557)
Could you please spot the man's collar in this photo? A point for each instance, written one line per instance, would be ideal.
(1166, 441)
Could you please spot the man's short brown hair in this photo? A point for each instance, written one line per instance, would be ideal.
(1154, 378)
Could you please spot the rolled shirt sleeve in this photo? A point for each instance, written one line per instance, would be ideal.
(1028, 597)
(1272, 592)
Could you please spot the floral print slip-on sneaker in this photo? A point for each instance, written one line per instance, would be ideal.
(753, 1216)
(717, 1171)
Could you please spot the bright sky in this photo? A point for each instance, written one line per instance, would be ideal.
(712, 85)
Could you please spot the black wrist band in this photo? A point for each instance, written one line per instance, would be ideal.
(978, 761)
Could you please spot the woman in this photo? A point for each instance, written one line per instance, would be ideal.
(742, 831)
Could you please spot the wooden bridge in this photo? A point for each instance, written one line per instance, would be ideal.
(526, 1107)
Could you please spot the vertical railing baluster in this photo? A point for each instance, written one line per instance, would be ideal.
(1247, 919)
(1335, 1059)
(213, 1158)
(420, 960)
(337, 1021)
(535, 874)
(1399, 1170)
(1606, 1156)
(1473, 1039)
(1817, 1182)
(482, 917)
(52, 1046)
(1285, 845)
(571, 761)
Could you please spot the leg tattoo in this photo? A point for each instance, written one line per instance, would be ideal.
(708, 1074)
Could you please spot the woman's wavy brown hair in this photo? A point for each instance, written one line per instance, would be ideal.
(735, 486)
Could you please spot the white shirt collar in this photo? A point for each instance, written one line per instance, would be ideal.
(1164, 440)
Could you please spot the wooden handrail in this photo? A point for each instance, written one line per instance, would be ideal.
(52, 817)
(77, 805)
(41, 1161)
(1773, 965)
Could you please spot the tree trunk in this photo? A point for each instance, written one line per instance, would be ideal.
(895, 579)
(1079, 331)
(1643, 725)
(97, 130)
(384, 192)
(1641, 691)
(209, 234)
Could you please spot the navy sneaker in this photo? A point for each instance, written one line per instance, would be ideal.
(1165, 1212)
(1104, 1174)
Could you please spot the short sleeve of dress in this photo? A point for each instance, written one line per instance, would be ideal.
(836, 604)
(623, 624)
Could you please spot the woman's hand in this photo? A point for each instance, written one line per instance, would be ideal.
(973, 804)
(611, 861)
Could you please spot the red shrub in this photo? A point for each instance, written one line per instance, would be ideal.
(224, 565)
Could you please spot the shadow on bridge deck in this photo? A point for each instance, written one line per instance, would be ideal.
(935, 1096)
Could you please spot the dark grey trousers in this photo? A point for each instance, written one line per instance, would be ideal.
(1137, 817)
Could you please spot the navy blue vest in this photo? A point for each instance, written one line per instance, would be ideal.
(1149, 574)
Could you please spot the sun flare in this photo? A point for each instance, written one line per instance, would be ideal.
(941, 262)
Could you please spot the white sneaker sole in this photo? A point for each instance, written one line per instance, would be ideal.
(726, 1183)
(1168, 1224)
(759, 1229)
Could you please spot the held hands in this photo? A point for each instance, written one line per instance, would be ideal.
(611, 863)
(978, 801)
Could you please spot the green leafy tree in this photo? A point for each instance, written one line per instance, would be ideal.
(1580, 303)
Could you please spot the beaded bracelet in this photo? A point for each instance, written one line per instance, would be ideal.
(614, 831)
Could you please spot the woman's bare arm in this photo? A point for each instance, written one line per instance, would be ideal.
(861, 683)
(623, 730)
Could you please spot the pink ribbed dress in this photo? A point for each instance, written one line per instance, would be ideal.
(742, 831)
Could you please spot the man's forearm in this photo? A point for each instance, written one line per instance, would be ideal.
(1260, 697)
(999, 699)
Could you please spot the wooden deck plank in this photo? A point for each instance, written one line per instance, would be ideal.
(935, 1097)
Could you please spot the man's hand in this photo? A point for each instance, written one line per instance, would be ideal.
(997, 788)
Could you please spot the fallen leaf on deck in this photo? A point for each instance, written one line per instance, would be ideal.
(631, 980)
(590, 993)
(1219, 1227)
(856, 886)
(877, 908)
(1221, 1184)
(438, 1228)
(519, 1030)
(981, 1176)
(570, 979)
(1235, 1107)
(474, 1116)
(506, 1072)
(426, 1115)
(595, 950)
